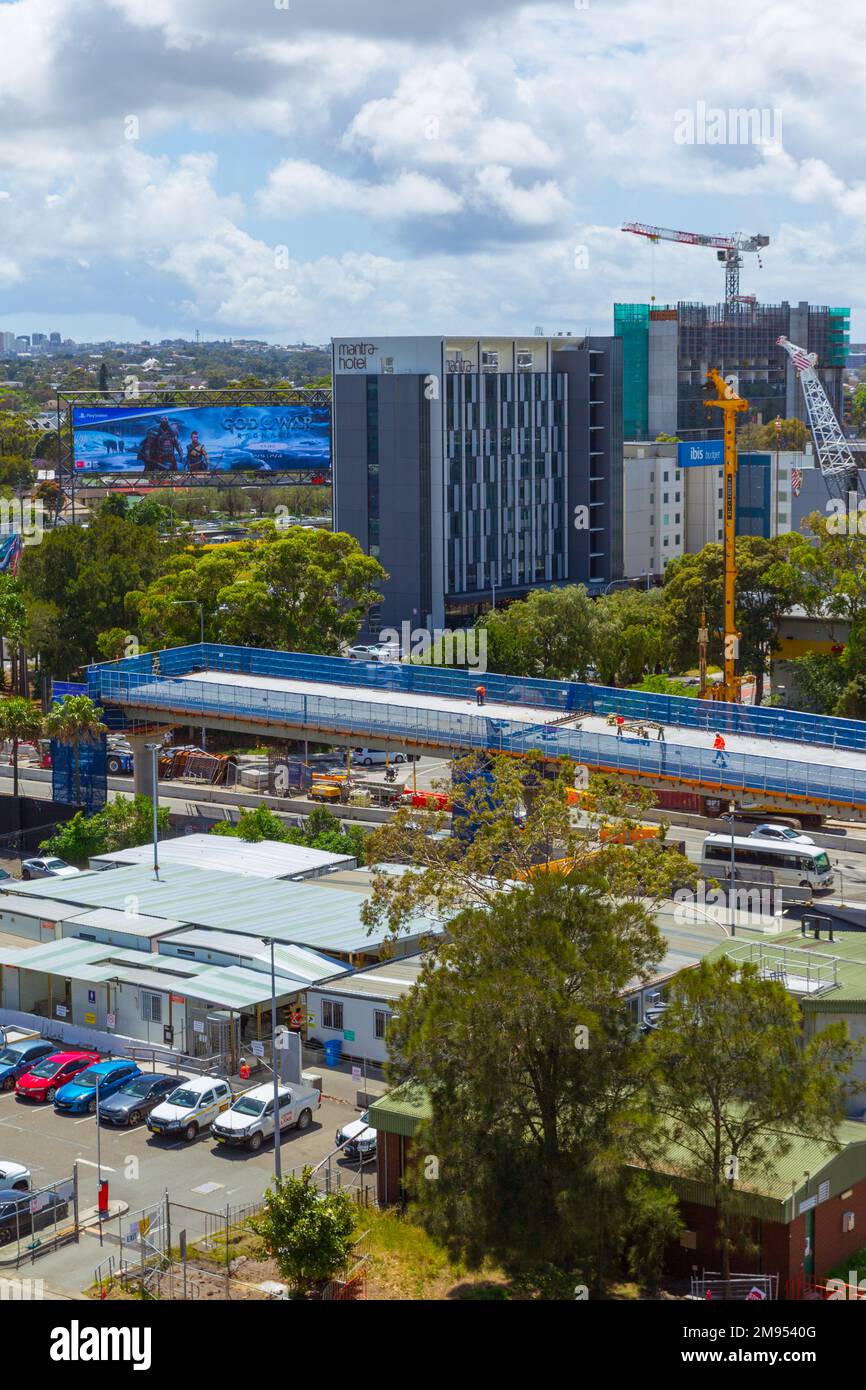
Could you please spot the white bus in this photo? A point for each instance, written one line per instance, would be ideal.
(807, 866)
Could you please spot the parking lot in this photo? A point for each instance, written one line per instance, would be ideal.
(141, 1168)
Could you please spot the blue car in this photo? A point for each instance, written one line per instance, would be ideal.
(18, 1057)
(78, 1097)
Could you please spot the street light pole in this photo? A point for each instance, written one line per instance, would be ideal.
(732, 898)
(154, 749)
(278, 1161)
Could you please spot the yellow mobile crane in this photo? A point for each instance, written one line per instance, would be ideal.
(730, 403)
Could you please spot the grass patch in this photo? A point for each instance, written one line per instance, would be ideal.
(406, 1263)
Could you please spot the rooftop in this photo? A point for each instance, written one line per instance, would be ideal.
(227, 854)
(312, 913)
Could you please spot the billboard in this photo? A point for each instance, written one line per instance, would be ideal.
(161, 440)
(701, 452)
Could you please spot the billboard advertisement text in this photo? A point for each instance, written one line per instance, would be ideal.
(200, 439)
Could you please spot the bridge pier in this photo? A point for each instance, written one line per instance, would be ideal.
(142, 767)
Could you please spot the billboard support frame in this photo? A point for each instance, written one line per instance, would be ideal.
(169, 398)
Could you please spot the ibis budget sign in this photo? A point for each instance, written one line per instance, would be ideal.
(701, 452)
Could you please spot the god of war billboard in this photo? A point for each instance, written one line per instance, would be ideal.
(200, 439)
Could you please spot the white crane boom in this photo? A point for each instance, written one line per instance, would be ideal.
(835, 457)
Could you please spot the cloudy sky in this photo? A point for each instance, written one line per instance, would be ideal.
(292, 169)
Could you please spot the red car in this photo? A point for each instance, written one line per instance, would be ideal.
(46, 1078)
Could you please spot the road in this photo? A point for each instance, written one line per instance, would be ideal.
(141, 1169)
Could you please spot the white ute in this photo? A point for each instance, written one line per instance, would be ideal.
(250, 1121)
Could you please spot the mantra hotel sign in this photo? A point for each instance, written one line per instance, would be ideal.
(354, 357)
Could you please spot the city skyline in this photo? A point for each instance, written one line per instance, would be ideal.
(290, 172)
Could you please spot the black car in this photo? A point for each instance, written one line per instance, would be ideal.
(135, 1101)
(17, 1219)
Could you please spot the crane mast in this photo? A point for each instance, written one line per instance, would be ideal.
(835, 457)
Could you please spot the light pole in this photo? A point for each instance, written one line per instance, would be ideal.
(154, 749)
(278, 1161)
(194, 603)
(732, 878)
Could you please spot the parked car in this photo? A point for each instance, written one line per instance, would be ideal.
(47, 868)
(357, 1139)
(78, 1097)
(43, 1081)
(14, 1175)
(375, 652)
(769, 831)
(17, 1219)
(18, 1057)
(377, 757)
(4, 873)
(138, 1097)
(250, 1120)
(190, 1108)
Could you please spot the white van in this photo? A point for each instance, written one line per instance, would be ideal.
(190, 1108)
(250, 1120)
(805, 865)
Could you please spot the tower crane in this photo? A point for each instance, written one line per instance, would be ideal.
(835, 457)
(729, 250)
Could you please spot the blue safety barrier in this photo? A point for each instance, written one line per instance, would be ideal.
(792, 726)
(140, 694)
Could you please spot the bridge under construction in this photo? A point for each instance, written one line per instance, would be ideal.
(773, 759)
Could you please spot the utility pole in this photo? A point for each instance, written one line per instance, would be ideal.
(730, 403)
(703, 639)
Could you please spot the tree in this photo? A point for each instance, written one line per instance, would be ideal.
(629, 635)
(511, 817)
(75, 722)
(296, 590)
(770, 579)
(547, 634)
(734, 1080)
(88, 573)
(20, 721)
(321, 831)
(308, 1236)
(521, 1038)
(652, 1223)
(789, 433)
(122, 824)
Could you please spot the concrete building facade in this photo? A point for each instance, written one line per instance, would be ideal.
(478, 468)
(668, 350)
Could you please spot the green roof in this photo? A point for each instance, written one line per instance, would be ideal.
(769, 1195)
(401, 1111)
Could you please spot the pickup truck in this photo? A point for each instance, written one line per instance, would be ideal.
(250, 1120)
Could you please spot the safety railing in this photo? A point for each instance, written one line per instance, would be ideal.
(689, 713)
(813, 781)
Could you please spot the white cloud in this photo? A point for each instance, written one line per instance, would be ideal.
(297, 188)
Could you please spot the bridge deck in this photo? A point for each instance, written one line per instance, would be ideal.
(675, 734)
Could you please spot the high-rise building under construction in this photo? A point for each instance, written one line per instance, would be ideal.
(667, 351)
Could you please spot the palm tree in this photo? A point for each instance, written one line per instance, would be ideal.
(22, 722)
(75, 722)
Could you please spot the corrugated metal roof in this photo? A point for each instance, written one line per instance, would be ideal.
(291, 960)
(113, 919)
(310, 913)
(401, 1111)
(54, 909)
(226, 854)
(230, 986)
(390, 981)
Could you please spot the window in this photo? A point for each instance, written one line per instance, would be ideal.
(151, 1007)
(332, 1015)
(208, 1098)
(387, 366)
(524, 361)
(381, 1022)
